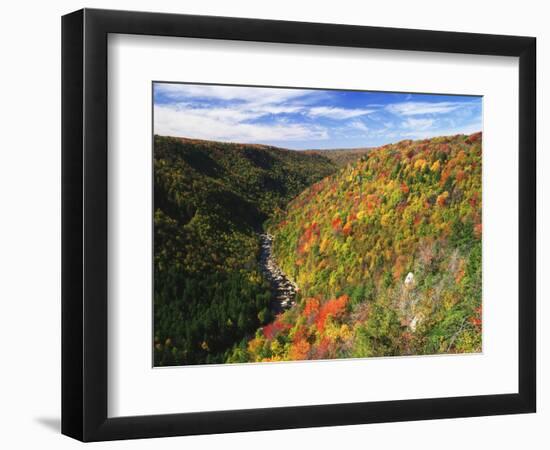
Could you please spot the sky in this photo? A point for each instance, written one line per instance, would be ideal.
(309, 118)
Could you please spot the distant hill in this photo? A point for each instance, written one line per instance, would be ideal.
(386, 254)
(343, 156)
(210, 199)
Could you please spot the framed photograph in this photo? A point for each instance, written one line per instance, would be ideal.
(273, 224)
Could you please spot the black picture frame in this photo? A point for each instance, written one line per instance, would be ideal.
(84, 224)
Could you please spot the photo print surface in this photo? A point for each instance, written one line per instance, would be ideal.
(309, 224)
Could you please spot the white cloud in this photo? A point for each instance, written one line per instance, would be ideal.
(358, 125)
(221, 126)
(337, 113)
(220, 107)
(233, 115)
(417, 108)
(418, 124)
(236, 93)
(225, 113)
(276, 109)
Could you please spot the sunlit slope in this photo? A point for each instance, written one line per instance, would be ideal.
(387, 256)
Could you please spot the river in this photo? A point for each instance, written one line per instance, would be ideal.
(283, 289)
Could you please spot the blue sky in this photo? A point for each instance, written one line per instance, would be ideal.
(307, 118)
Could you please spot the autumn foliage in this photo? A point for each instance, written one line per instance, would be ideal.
(387, 255)
(331, 308)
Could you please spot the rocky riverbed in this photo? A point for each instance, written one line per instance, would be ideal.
(283, 288)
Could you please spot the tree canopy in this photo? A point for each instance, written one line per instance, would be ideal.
(387, 255)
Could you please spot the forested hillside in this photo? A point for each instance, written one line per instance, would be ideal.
(341, 156)
(387, 256)
(210, 200)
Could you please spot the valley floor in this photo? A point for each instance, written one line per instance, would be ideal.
(283, 289)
